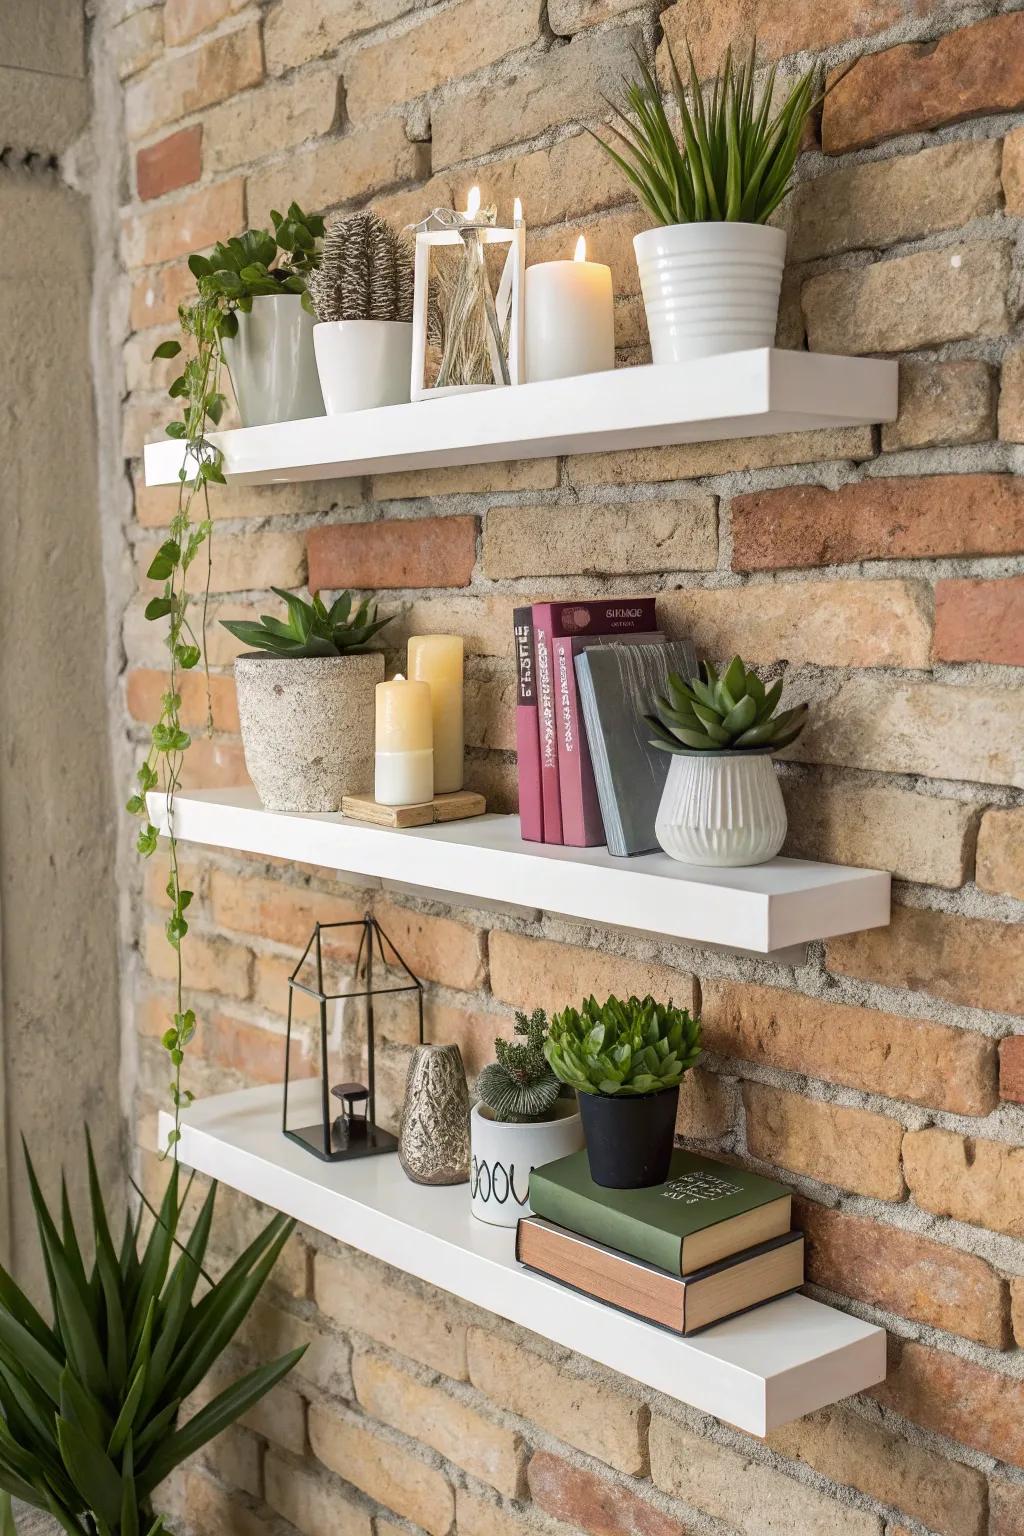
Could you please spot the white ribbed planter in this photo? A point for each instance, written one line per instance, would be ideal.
(710, 288)
(721, 808)
(271, 362)
(363, 363)
(504, 1156)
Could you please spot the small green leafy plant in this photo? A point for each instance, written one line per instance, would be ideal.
(237, 271)
(731, 713)
(520, 1085)
(312, 629)
(89, 1403)
(732, 158)
(613, 1048)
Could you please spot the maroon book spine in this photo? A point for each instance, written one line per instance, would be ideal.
(607, 617)
(531, 818)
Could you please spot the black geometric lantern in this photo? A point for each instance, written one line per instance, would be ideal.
(351, 1129)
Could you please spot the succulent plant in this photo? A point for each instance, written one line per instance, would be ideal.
(365, 272)
(312, 629)
(632, 1047)
(731, 713)
(520, 1085)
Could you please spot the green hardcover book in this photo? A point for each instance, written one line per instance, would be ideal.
(703, 1213)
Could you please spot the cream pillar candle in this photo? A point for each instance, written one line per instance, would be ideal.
(437, 660)
(404, 757)
(570, 322)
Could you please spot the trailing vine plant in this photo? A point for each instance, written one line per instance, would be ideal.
(249, 266)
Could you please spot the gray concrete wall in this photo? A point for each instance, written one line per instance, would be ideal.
(59, 1008)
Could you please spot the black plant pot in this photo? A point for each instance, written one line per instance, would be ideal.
(629, 1139)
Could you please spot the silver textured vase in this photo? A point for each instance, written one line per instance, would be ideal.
(433, 1138)
(724, 809)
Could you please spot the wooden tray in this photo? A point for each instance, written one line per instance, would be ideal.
(455, 807)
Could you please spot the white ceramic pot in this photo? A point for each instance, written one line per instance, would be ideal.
(307, 727)
(363, 363)
(721, 808)
(504, 1155)
(710, 288)
(271, 362)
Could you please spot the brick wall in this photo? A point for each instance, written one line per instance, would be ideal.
(885, 1077)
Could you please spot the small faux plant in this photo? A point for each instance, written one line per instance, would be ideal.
(90, 1402)
(365, 272)
(312, 629)
(520, 1085)
(615, 1048)
(731, 713)
(733, 158)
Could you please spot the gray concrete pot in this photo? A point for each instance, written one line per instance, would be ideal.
(307, 727)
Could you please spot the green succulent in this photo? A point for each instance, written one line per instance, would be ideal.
(734, 712)
(312, 629)
(632, 1047)
(520, 1086)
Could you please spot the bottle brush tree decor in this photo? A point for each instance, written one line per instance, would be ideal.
(363, 296)
(710, 186)
(522, 1120)
(722, 804)
(90, 1402)
(235, 274)
(626, 1060)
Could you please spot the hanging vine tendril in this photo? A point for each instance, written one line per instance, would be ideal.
(237, 271)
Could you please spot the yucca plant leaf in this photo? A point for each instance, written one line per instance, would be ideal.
(7, 1526)
(19, 1347)
(13, 1484)
(153, 1433)
(110, 1279)
(80, 1408)
(91, 1471)
(129, 1502)
(177, 1301)
(153, 1269)
(126, 1418)
(14, 1301)
(225, 1408)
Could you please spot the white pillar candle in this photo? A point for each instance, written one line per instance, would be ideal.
(437, 661)
(570, 321)
(404, 757)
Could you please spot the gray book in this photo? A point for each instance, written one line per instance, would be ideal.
(617, 687)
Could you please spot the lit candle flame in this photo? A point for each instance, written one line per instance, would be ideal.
(581, 249)
(473, 202)
(517, 211)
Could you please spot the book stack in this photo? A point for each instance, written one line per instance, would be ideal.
(710, 1242)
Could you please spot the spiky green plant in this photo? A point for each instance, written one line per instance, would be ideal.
(520, 1085)
(632, 1047)
(732, 158)
(312, 629)
(89, 1402)
(731, 713)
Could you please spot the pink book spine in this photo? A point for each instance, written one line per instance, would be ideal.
(582, 826)
(531, 816)
(550, 795)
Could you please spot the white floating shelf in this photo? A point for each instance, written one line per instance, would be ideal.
(756, 1371)
(768, 908)
(737, 394)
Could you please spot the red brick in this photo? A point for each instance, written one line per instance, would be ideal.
(214, 762)
(779, 29)
(190, 224)
(884, 519)
(590, 1503)
(854, 1149)
(967, 960)
(187, 82)
(980, 621)
(185, 19)
(955, 1397)
(901, 1272)
(999, 866)
(1005, 1507)
(915, 86)
(156, 295)
(902, 1058)
(410, 552)
(436, 948)
(169, 163)
(145, 688)
(276, 910)
(1011, 1069)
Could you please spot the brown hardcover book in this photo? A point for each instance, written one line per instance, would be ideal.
(684, 1304)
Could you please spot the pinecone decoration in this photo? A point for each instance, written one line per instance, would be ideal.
(365, 272)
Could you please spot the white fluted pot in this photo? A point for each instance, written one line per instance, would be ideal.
(710, 288)
(271, 362)
(721, 808)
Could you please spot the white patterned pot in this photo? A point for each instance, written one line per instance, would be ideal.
(271, 362)
(505, 1154)
(721, 808)
(710, 288)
